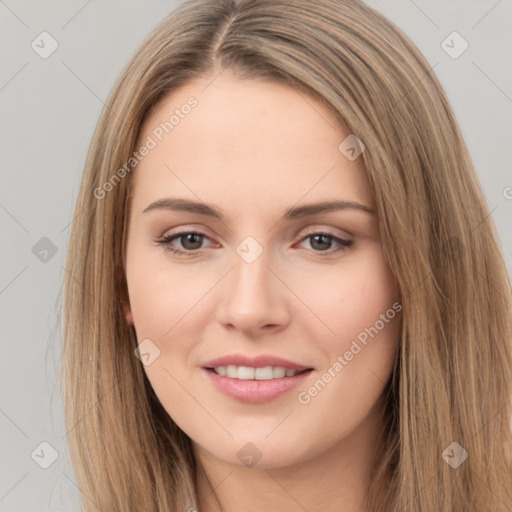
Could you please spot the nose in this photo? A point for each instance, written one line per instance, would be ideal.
(253, 298)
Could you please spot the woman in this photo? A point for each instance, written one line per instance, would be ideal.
(218, 355)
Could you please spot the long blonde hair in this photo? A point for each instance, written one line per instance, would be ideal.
(452, 379)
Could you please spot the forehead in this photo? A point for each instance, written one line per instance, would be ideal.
(244, 142)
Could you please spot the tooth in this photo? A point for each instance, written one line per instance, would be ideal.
(265, 373)
(245, 373)
(232, 371)
(250, 373)
(279, 372)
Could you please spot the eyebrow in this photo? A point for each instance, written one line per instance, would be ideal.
(296, 212)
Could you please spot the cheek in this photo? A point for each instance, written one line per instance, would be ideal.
(163, 296)
(165, 304)
(360, 315)
(350, 298)
(358, 362)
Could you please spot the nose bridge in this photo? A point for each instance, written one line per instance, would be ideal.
(253, 296)
(251, 275)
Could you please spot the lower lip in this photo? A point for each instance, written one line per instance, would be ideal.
(255, 391)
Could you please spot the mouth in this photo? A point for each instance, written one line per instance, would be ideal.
(255, 380)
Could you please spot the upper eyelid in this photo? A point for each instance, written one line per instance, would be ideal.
(318, 228)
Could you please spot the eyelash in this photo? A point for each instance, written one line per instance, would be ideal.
(165, 241)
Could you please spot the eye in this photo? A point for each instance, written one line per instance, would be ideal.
(191, 242)
(322, 242)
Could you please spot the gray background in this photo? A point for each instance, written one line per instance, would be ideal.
(49, 110)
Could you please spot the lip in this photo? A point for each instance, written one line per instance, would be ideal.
(255, 391)
(255, 362)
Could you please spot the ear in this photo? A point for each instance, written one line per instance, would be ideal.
(128, 313)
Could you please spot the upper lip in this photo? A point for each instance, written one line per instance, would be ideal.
(254, 362)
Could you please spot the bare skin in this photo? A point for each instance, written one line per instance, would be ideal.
(255, 149)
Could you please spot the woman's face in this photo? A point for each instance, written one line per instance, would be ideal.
(270, 333)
